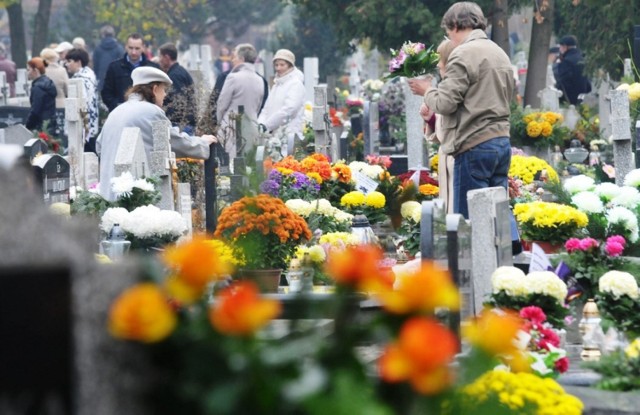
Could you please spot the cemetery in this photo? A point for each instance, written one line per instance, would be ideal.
(324, 272)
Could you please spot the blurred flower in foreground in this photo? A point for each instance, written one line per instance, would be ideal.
(142, 313)
(421, 356)
(238, 310)
(357, 266)
(422, 291)
(193, 265)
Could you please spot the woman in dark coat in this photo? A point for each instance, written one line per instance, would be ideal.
(42, 98)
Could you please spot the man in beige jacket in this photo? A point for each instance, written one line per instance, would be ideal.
(473, 99)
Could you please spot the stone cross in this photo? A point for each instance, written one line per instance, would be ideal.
(74, 108)
(267, 57)
(550, 98)
(331, 90)
(490, 238)
(621, 133)
(184, 205)
(371, 127)
(131, 155)
(604, 108)
(22, 83)
(320, 117)
(354, 80)
(163, 163)
(311, 77)
(416, 145)
(628, 69)
(194, 57)
(206, 65)
(373, 64)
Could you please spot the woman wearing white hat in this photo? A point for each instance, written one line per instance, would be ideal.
(283, 113)
(143, 107)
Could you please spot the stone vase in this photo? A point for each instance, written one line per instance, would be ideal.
(268, 280)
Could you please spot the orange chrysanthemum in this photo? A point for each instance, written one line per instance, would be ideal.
(239, 310)
(430, 287)
(421, 354)
(494, 331)
(290, 163)
(429, 190)
(141, 313)
(318, 165)
(341, 172)
(196, 262)
(355, 265)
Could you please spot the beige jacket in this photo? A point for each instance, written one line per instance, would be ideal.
(58, 74)
(474, 96)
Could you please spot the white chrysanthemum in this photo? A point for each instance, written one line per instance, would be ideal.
(60, 209)
(632, 178)
(322, 206)
(299, 207)
(73, 192)
(122, 185)
(144, 185)
(546, 282)
(407, 210)
(317, 254)
(112, 216)
(508, 279)
(357, 165)
(373, 171)
(620, 215)
(338, 239)
(150, 221)
(342, 216)
(619, 283)
(588, 202)
(579, 184)
(607, 191)
(629, 197)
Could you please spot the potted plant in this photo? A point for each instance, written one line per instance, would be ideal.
(264, 233)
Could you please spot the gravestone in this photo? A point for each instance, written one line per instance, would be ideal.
(74, 106)
(371, 129)
(35, 147)
(320, 119)
(267, 57)
(416, 146)
(433, 232)
(461, 261)
(355, 86)
(163, 163)
(207, 65)
(53, 176)
(399, 164)
(311, 78)
(604, 108)
(4, 87)
(627, 69)
(489, 215)
(17, 134)
(550, 98)
(131, 155)
(331, 91)
(372, 65)
(22, 83)
(620, 131)
(184, 206)
(343, 146)
(91, 169)
(210, 190)
(260, 173)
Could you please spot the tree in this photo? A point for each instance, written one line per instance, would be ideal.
(16, 28)
(41, 26)
(538, 52)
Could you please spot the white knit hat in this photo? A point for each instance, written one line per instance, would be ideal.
(143, 75)
(285, 55)
(64, 47)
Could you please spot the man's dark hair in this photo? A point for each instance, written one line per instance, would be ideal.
(78, 55)
(107, 31)
(464, 15)
(135, 36)
(170, 50)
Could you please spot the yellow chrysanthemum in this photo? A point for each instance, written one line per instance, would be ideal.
(434, 163)
(546, 128)
(352, 199)
(526, 167)
(375, 200)
(315, 176)
(534, 129)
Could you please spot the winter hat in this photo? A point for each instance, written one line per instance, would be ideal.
(143, 75)
(569, 40)
(64, 47)
(49, 55)
(285, 55)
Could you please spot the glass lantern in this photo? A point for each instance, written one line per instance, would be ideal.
(115, 246)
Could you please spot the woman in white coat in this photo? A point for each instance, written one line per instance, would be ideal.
(283, 113)
(143, 107)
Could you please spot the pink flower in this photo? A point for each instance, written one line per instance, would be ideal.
(588, 243)
(418, 47)
(548, 337)
(534, 314)
(614, 248)
(562, 364)
(609, 171)
(617, 238)
(572, 245)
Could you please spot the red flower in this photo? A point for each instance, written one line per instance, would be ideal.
(548, 337)
(562, 364)
(534, 314)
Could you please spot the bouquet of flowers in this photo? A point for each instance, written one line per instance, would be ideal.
(288, 184)
(263, 230)
(529, 168)
(372, 88)
(411, 212)
(412, 60)
(543, 344)
(551, 222)
(514, 290)
(321, 215)
(146, 226)
(538, 129)
(54, 145)
(372, 205)
(618, 301)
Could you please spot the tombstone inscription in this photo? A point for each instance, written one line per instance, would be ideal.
(53, 175)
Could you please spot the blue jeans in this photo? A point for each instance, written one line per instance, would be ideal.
(485, 165)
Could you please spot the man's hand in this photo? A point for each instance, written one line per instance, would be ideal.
(210, 139)
(425, 112)
(420, 86)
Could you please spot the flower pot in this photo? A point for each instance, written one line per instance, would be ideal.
(268, 280)
(547, 247)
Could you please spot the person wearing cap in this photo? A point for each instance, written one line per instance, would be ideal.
(142, 108)
(42, 98)
(9, 68)
(62, 49)
(79, 43)
(243, 87)
(283, 113)
(57, 73)
(106, 52)
(569, 71)
(78, 66)
(117, 79)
